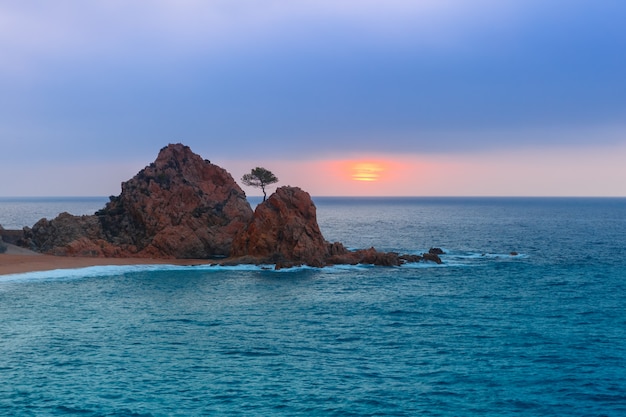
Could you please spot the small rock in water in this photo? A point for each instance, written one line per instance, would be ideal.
(432, 257)
(436, 251)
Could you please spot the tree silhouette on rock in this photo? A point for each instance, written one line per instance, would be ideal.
(260, 178)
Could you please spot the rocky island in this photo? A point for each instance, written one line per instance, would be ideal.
(182, 206)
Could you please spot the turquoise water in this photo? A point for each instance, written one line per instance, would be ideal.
(486, 333)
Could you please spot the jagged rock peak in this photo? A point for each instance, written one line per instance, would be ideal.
(179, 206)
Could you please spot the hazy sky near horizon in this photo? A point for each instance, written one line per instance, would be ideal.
(367, 97)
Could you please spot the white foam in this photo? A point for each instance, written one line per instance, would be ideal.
(424, 265)
(486, 255)
(87, 272)
(111, 270)
(450, 259)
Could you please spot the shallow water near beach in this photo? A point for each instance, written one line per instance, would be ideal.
(538, 333)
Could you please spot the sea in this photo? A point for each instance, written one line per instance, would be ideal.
(525, 317)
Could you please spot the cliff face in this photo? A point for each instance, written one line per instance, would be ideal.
(284, 232)
(69, 235)
(179, 206)
(284, 229)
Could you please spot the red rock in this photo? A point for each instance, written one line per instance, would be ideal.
(367, 256)
(180, 206)
(284, 229)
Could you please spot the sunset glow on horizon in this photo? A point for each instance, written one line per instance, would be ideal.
(372, 98)
(522, 173)
(367, 171)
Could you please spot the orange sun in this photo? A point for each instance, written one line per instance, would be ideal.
(367, 171)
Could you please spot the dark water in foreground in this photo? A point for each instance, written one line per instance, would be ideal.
(538, 334)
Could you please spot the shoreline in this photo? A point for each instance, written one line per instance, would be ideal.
(21, 264)
(24, 261)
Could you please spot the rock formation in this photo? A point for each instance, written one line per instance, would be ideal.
(70, 235)
(284, 229)
(180, 206)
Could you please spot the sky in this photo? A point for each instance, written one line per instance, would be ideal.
(352, 97)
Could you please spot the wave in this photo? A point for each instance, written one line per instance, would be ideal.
(449, 259)
(456, 258)
(108, 270)
(112, 270)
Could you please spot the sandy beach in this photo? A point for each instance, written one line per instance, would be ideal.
(19, 260)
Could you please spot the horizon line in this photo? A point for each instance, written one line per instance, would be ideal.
(346, 196)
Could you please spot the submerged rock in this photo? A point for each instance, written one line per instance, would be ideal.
(432, 257)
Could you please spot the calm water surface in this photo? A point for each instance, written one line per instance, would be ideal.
(486, 333)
